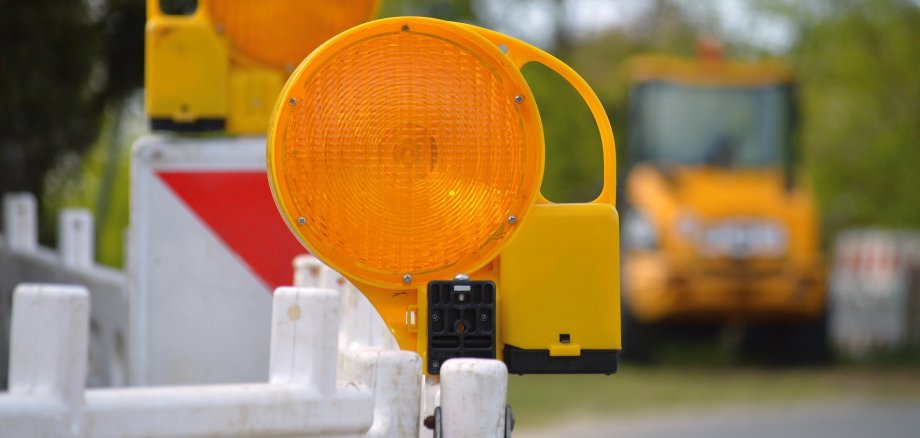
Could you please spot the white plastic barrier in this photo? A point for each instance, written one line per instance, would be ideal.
(378, 394)
(48, 360)
(22, 260)
(473, 398)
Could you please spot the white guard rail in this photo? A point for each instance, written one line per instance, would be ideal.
(48, 360)
(378, 394)
(22, 260)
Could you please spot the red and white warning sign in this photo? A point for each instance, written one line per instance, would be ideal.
(206, 247)
(237, 207)
(875, 290)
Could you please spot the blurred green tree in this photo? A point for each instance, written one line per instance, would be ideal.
(860, 108)
(62, 64)
(454, 10)
(50, 87)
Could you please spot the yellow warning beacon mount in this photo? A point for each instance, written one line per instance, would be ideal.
(222, 67)
(407, 153)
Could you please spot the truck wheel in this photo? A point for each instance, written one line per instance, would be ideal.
(760, 344)
(790, 344)
(638, 338)
(807, 344)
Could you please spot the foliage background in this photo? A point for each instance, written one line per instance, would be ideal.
(71, 73)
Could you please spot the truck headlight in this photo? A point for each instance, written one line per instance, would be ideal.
(768, 238)
(688, 227)
(638, 231)
(745, 238)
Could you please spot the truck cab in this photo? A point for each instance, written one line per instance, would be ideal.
(716, 228)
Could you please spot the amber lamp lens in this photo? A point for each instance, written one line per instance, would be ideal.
(280, 33)
(403, 150)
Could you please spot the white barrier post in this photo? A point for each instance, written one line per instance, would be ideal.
(361, 326)
(20, 221)
(474, 395)
(307, 271)
(48, 353)
(430, 399)
(395, 378)
(75, 238)
(304, 337)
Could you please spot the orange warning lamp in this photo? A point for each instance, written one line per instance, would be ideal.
(407, 153)
(222, 67)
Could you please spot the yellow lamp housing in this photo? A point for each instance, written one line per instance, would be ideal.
(407, 153)
(222, 67)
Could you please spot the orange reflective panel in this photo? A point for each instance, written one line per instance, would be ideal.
(280, 33)
(403, 146)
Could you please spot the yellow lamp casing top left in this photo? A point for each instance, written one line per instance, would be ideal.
(221, 68)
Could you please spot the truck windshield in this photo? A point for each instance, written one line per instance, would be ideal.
(714, 125)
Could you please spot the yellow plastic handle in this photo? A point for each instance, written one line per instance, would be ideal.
(521, 54)
(153, 9)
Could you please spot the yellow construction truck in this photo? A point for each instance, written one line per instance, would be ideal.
(717, 230)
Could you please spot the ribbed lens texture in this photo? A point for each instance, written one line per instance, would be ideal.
(281, 33)
(406, 154)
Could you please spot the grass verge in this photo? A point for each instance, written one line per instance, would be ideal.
(540, 399)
